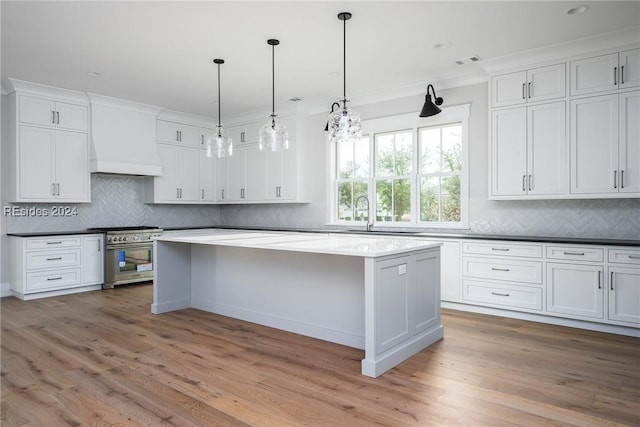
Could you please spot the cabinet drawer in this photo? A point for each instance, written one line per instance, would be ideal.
(504, 295)
(575, 253)
(502, 249)
(43, 280)
(624, 256)
(53, 243)
(501, 269)
(53, 259)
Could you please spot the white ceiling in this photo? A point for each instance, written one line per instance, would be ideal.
(161, 53)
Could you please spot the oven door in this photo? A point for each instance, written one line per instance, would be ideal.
(128, 264)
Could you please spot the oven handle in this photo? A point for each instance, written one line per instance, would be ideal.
(140, 246)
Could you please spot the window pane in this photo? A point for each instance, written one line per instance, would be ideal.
(430, 150)
(362, 158)
(345, 159)
(430, 199)
(452, 148)
(450, 199)
(402, 200)
(384, 200)
(384, 155)
(345, 201)
(361, 201)
(404, 153)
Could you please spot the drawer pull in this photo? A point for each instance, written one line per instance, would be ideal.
(54, 278)
(634, 257)
(54, 243)
(574, 253)
(499, 269)
(500, 249)
(499, 294)
(599, 279)
(54, 259)
(611, 281)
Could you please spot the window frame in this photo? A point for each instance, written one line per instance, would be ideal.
(396, 124)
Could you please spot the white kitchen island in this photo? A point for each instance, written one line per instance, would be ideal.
(380, 294)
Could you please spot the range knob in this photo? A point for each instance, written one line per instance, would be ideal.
(124, 238)
(136, 238)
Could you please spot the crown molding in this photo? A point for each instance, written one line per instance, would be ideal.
(16, 85)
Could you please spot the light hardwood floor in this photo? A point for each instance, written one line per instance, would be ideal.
(101, 358)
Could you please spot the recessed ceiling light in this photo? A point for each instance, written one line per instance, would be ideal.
(94, 73)
(441, 45)
(577, 10)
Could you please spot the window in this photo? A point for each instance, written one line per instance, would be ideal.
(413, 170)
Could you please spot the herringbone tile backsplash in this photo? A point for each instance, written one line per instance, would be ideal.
(119, 201)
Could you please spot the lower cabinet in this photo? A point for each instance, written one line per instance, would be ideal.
(56, 265)
(624, 294)
(576, 290)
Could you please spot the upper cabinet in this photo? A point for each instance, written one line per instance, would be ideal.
(532, 85)
(549, 143)
(614, 71)
(48, 145)
(178, 133)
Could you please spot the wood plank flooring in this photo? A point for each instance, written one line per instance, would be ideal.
(100, 358)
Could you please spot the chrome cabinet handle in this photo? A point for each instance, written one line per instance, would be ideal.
(574, 253)
(54, 243)
(523, 85)
(622, 75)
(54, 278)
(201, 139)
(99, 245)
(222, 194)
(634, 257)
(599, 279)
(57, 117)
(202, 191)
(177, 193)
(622, 179)
(58, 187)
(500, 249)
(54, 259)
(499, 294)
(529, 90)
(615, 75)
(615, 179)
(524, 183)
(499, 269)
(53, 117)
(530, 185)
(242, 136)
(53, 188)
(177, 136)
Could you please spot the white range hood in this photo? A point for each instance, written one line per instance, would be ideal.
(123, 137)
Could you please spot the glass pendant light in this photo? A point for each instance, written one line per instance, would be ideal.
(273, 135)
(219, 144)
(344, 124)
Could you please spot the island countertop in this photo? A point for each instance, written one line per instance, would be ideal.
(322, 243)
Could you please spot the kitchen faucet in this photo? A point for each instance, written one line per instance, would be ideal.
(355, 211)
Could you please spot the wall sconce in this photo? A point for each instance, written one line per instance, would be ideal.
(429, 108)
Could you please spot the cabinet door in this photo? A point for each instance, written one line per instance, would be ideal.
(425, 277)
(236, 176)
(547, 149)
(207, 177)
(629, 143)
(205, 134)
(167, 131)
(92, 259)
(71, 116)
(392, 300)
(222, 186)
(450, 271)
(629, 68)
(508, 152)
(274, 174)
(575, 290)
(72, 166)
(624, 294)
(595, 74)
(546, 83)
(289, 182)
(167, 185)
(508, 89)
(36, 179)
(255, 174)
(189, 163)
(189, 135)
(37, 111)
(594, 144)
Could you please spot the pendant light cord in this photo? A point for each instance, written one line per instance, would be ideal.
(219, 121)
(344, 64)
(273, 85)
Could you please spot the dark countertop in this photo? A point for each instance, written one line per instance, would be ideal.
(538, 239)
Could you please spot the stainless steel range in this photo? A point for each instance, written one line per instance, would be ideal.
(128, 254)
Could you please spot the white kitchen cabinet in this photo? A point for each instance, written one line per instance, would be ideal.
(55, 265)
(608, 72)
(178, 133)
(222, 181)
(207, 177)
(53, 166)
(281, 173)
(245, 175)
(529, 151)
(575, 290)
(450, 271)
(93, 259)
(180, 180)
(532, 85)
(605, 144)
(50, 113)
(624, 294)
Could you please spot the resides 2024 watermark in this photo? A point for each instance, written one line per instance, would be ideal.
(33, 211)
